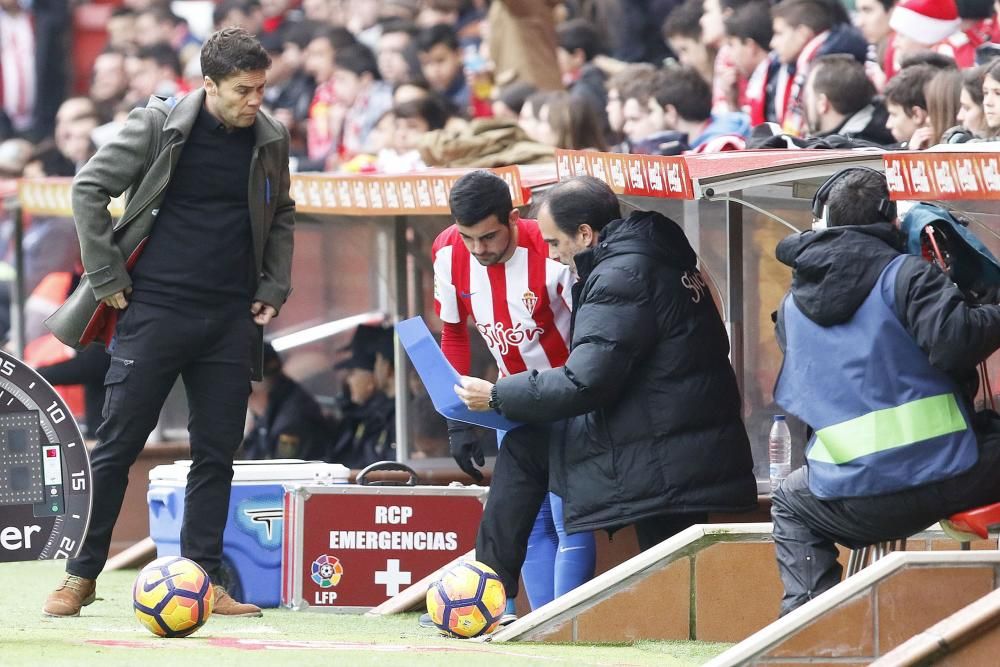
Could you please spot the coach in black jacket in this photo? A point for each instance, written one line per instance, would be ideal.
(653, 433)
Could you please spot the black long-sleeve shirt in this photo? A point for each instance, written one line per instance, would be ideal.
(199, 257)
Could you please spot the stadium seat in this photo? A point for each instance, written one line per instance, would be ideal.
(976, 523)
(865, 556)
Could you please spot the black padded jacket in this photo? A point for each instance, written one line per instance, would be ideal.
(650, 398)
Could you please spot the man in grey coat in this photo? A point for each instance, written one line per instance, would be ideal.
(184, 280)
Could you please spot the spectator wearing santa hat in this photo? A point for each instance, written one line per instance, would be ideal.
(918, 26)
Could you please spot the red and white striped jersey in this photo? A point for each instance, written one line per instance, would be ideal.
(522, 308)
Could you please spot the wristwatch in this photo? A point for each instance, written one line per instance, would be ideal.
(494, 400)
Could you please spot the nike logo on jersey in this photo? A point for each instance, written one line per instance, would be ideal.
(148, 586)
(563, 550)
(466, 295)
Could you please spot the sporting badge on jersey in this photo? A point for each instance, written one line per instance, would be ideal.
(529, 300)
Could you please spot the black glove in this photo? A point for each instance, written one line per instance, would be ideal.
(464, 445)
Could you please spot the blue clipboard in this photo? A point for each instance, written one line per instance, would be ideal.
(440, 377)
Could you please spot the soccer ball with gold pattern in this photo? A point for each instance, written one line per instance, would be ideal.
(173, 596)
(467, 601)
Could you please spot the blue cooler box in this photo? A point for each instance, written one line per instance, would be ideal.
(251, 550)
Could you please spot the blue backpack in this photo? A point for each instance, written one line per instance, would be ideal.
(939, 236)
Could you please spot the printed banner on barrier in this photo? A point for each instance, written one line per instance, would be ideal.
(943, 176)
(53, 197)
(638, 175)
(365, 194)
(373, 194)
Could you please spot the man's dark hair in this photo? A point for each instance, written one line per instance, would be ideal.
(687, 91)
(224, 8)
(684, 21)
(442, 33)
(580, 34)
(537, 100)
(163, 15)
(478, 195)
(111, 51)
(515, 94)
(118, 12)
(358, 59)
(816, 15)
(856, 197)
(272, 41)
(396, 24)
(974, 9)
(907, 88)
(232, 50)
(751, 21)
(299, 33)
(632, 77)
(432, 109)
(844, 82)
(445, 5)
(272, 361)
(162, 54)
(339, 37)
(582, 200)
(887, 4)
(734, 4)
(932, 58)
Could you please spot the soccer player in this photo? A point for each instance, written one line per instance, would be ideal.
(493, 266)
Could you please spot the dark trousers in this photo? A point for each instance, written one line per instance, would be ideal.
(520, 482)
(153, 345)
(807, 528)
(653, 530)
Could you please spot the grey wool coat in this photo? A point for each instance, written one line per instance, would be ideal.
(140, 162)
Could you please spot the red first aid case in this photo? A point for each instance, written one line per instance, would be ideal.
(350, 548)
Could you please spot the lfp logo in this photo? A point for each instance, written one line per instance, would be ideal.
(327, 571)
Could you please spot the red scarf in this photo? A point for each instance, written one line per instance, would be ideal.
(756, 93)
(962, 45)
(794, 119)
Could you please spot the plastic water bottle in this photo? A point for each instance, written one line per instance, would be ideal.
(779, 451)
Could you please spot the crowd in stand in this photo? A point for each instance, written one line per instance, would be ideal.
(392, 86)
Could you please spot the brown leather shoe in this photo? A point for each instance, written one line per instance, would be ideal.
(74, 592)
(225, 605)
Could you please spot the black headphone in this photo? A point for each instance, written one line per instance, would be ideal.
(820, 211)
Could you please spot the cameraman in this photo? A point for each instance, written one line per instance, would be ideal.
(878, 346)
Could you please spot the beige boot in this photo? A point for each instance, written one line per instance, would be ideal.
(225, 605)
(73, 593)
